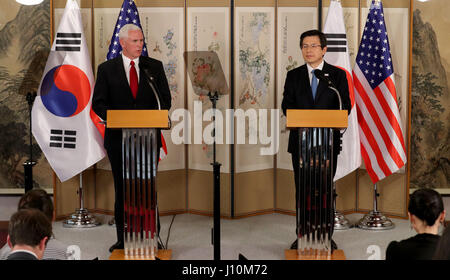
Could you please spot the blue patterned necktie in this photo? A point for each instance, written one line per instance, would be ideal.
(314, 85)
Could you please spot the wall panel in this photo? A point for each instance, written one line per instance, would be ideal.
(266, 37)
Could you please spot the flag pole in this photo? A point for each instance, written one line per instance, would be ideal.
(375, 220)
(28, 165)
(340, 221)
(81, 217)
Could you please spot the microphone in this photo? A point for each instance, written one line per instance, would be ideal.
(324, 77)
(151, 81)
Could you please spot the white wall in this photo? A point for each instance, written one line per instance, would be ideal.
(8, 205)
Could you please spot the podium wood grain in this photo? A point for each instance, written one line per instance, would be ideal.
(137, 119)
(316, 118)
(292, 255)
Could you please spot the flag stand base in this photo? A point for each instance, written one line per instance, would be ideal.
(81, 219)
(375, 221)
(341, 222)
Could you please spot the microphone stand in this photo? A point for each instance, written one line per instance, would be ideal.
(150, 80)
(28, 165)
(340, 222)
(216, 181)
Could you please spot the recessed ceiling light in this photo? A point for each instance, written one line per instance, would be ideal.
(29, 2)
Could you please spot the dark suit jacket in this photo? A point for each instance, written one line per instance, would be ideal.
(112, 92)
(419, 247)
(298, 95)
(21, 256)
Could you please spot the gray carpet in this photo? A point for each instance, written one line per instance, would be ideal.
(262, 237)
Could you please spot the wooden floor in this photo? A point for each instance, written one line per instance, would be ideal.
(119, 255)
(293, 255)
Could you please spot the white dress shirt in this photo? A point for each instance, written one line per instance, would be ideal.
(127, 66)
(320, 66)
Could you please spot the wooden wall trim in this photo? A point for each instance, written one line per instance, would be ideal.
(408, 155)
(297, 3)
(208, 3)
(284, 212)
(252, 3)
(4, 225)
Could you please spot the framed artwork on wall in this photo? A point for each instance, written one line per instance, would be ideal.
(22, 60)
(430, 97)
(254, 77)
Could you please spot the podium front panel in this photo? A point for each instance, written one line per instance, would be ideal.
(140, 159)
(315, 205)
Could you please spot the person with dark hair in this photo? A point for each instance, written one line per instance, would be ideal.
(443, 247)
(426, 213)
(28, 233)
(39, 199)
(303, 90)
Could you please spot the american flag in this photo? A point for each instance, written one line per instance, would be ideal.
(129, 14)
(382, 144)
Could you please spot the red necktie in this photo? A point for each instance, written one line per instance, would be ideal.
(133, 80)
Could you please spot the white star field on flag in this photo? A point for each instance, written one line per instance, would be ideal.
(128, 14)
(374, 58)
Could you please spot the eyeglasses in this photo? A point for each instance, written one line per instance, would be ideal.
(312, 46)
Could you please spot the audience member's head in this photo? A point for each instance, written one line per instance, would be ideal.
(30, 230)
(426, 210)
(37, 199)
(443, 247)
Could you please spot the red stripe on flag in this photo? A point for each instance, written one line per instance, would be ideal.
(395, 125)
(97, 122)
(372, 142)
(351, 90)
(152, 223)
(369, 168)
(147, 223)
(163, 149)
(374, 114)
(393, 122)
(390, 85)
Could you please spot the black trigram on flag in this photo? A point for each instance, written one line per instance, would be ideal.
(68, 42)
(63, 138)
(336, 42)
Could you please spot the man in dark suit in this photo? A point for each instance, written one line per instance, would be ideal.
(122, 85)
(28, 233)
(303, 90)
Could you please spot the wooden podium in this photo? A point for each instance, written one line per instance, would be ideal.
(315, 207)
(140, 132)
